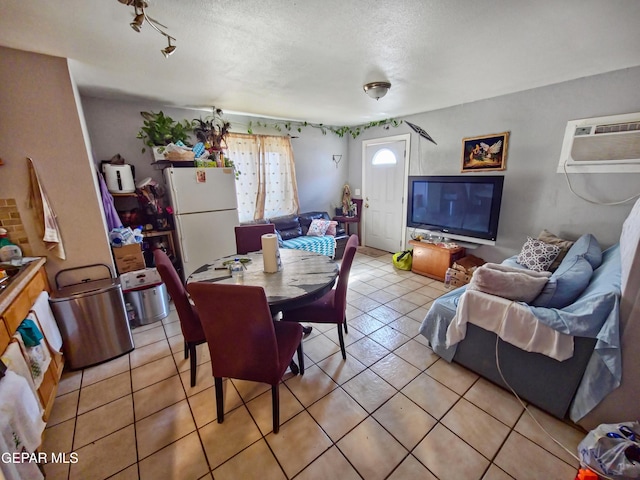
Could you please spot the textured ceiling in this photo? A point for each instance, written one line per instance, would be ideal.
(308, 60)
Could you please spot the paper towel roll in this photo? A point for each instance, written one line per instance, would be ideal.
(270, 252)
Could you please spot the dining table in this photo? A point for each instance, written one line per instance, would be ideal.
(303, 278)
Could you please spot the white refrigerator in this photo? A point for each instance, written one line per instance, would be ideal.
(205, 212)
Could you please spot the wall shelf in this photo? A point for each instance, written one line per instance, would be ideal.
(170, 248)
(123, 195)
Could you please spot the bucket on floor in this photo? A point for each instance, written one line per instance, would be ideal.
(150, 303)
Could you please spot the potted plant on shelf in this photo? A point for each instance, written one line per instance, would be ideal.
(212, 132)
(159, 130)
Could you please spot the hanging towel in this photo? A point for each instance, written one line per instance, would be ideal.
(21, 426)
(37, 357)
(31, 335)
(46, 217)
(110, 212)
(47, 321)
(15, 362)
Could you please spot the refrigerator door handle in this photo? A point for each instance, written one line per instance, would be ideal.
(182, 240)
(174, 193)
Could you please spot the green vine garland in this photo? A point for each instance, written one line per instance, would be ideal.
(339, 131)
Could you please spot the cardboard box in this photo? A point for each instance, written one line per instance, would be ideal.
(456, 278)
(468, 264)
(128, 258)
(455, 283)
(461, 271)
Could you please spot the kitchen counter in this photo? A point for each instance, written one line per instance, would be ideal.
(19, 282)
(16, 301)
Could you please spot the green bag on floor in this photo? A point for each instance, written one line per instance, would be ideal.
(403, 260)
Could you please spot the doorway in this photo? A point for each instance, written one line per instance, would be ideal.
(384, 174)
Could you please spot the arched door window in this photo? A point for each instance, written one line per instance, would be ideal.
(384, 156)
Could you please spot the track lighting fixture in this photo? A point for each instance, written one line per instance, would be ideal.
(137, 22)
(169, 49)
(140, 17)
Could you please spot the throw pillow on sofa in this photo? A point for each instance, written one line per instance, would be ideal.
(588, 247)
(518, 284)
(566, 284)
(547, 237)
(537, 255)
(332, 228)
(318, 227)
(288, 226)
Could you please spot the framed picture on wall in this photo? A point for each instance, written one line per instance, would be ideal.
(485, 153)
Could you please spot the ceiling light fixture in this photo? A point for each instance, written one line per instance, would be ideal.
(376, 90)
(140, 16)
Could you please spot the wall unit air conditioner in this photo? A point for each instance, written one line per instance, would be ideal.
(602, 145)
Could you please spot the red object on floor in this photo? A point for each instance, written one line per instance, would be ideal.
(586, 474)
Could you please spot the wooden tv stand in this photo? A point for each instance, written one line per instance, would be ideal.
(431, 260)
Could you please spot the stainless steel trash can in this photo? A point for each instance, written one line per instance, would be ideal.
(150, 303)
(92, 319)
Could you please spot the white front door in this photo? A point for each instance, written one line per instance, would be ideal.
(384, 191)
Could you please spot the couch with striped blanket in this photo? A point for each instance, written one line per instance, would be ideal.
(293, 229)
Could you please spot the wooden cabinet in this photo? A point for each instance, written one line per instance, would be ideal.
(19, 308)
(15, 303)
(432, 261)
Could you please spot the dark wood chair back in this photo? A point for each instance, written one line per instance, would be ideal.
(244, 341)
(249, 237)
(189, 319)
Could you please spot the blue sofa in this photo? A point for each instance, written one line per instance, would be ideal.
(581, 299)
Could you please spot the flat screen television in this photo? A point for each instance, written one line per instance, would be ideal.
(456, 206)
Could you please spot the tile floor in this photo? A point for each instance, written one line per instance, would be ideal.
(392, 410)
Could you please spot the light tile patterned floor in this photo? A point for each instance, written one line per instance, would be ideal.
(392, 410)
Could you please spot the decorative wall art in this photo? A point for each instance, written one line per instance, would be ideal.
(420, 131)
(485, 153)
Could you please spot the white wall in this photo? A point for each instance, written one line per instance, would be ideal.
(113, 126)
(41, 119)
(535, 196)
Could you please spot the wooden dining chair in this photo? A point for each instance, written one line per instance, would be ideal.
(244, 341)
(189, 320)
(331, 308)
(249, 237)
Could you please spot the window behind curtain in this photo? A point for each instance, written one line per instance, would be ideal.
(267, 184)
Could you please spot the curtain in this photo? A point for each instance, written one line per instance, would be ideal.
(267, 185)
(278, 190)
(243, 151)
